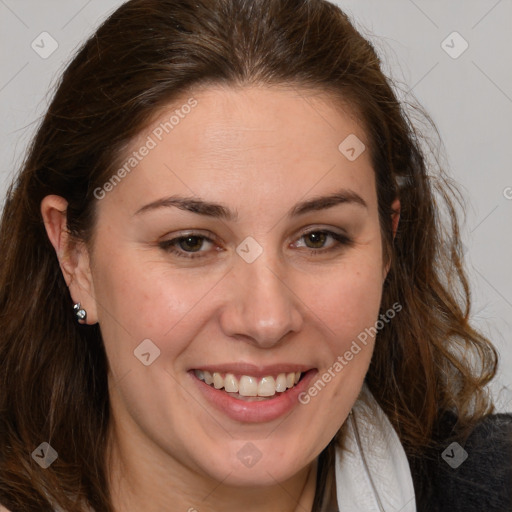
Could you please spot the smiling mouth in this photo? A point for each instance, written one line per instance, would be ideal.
(250, 388)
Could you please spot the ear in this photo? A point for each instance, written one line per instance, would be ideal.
(73, 256)
(395, 219)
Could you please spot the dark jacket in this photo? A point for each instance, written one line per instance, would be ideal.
(481, 483)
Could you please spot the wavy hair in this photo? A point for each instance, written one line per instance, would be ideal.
(53, 371)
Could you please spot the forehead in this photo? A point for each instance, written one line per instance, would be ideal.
(247, 142)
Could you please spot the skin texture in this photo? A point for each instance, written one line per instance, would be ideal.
(257, 151)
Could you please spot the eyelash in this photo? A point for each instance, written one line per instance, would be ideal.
(170, 245)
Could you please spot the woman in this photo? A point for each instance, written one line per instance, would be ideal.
(225, 284)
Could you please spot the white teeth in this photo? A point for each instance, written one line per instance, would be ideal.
(231, 383)
(248, 385)
(267, 387)
(218, 381)
(281, 383)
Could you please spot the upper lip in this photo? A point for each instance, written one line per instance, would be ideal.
(254, 370)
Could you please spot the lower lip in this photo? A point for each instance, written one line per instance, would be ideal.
(258, 411)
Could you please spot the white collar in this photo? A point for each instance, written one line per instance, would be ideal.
(372, 472)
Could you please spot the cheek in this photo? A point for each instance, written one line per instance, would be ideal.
(140, 300)
(347, 299)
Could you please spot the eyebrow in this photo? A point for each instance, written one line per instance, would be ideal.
(219, 211)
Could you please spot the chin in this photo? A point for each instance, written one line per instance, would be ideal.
(260, 475)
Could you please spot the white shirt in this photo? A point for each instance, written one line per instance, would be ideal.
(372, 473)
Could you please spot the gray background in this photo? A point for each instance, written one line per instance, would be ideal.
(469, 98)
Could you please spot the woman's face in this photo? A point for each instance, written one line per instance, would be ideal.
(245, 244)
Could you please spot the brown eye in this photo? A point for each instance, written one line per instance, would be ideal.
(316, 238)
(323, 241)
(191, 243)
(189, 246)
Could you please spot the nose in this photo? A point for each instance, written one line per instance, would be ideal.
(260, 306)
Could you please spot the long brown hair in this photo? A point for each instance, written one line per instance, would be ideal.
(53, 371)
